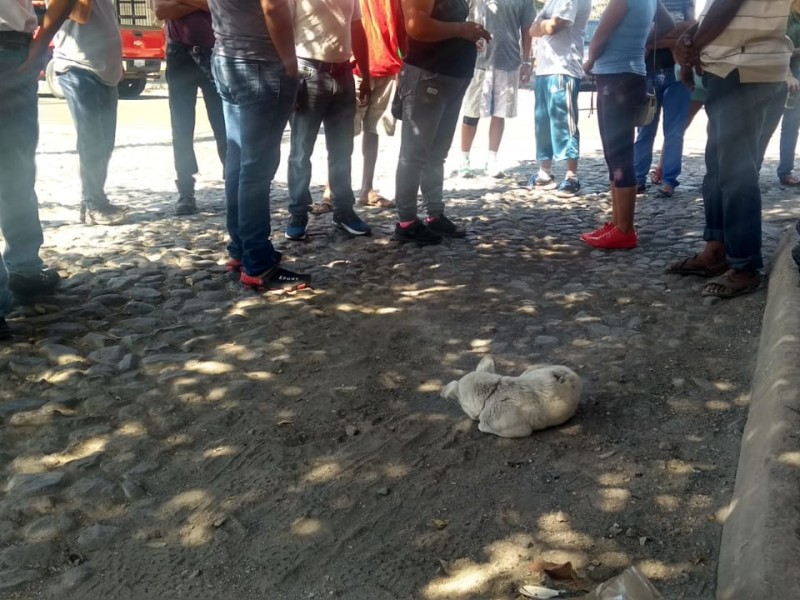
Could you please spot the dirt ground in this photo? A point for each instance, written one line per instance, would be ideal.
(168, 435)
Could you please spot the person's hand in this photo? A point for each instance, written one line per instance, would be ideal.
(793, 84)
(525, 73)
(685, 52)
(364, 91)
(474, 31)
(588, 66)
(34, 62)
(290, 67)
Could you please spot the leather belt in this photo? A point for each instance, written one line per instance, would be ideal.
(338, 68)
(14, 40)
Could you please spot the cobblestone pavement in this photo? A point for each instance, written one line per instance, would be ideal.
(167, 434)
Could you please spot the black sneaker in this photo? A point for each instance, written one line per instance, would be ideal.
(43, 281)
(296, 229)
(185, 205)
(5, 330)
(352, 223)
(641, 188)
(445, 227)
(417, 232)
(276, 278)
(568, 188)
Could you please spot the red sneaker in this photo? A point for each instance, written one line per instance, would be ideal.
(597, 232)
(614, 239)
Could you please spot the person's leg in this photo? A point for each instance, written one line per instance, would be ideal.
(473, 99)
(451, 90)
(182, 89)
(772, 116)
(675, 101)
(542, 125)
(621, 95)
(646, 136)
(258, 98)
(497, 126)
(423, 108)
(338, 120)
(213, 103)
(93, 106)
(382, 88)
(19, 210)
(563, 108)
(789, 132)
(315, 93)
(738, 113)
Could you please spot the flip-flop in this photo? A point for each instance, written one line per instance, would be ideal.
(685, 267)
(321, 208)
(729, 287)
(375, 199)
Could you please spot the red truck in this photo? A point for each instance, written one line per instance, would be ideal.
(143, 47)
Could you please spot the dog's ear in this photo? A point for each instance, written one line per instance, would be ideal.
(486, 364)
(450, 391)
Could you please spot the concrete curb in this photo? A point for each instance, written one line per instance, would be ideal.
(760, 550)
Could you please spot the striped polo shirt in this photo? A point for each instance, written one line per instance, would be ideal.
(754, 42)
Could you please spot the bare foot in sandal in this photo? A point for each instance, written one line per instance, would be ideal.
(732, 283)
(373, 198)
(710, 262)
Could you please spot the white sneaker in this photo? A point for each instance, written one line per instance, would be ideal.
(493, 169)
(464, 170)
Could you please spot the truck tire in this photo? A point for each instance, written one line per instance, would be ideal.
(131, 88)
(52, 80)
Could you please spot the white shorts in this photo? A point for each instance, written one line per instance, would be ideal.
(492, 93)
(368, 117)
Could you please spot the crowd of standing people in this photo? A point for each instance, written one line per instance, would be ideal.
(264, 64)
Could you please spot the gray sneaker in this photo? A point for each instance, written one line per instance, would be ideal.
(186, 205)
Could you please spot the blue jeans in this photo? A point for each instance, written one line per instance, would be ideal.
(731, 196)
(329, 100)
(257, 98)
(19, 134)
(672, 97)
(186, 73)
(789, 118)
(430, 106)
(556, 117)
(93, 106)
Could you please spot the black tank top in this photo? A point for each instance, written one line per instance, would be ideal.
(455, 56)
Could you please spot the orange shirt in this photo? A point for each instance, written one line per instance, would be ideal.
(386, 36)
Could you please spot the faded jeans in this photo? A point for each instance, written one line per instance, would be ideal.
(329, 100)
(186, 72)
(731, 195)
(93, 106)
(672, 98)
(431, 104)
(257, 97)
(19, 134)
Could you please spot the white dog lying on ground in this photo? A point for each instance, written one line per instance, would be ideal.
(543, 396)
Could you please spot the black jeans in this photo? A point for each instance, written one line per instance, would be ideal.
(188, 70)
(618, 97)
(731, 196)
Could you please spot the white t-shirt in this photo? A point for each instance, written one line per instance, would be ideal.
(562, 52)
(94, 46)
(17, 15)
(322, 29)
